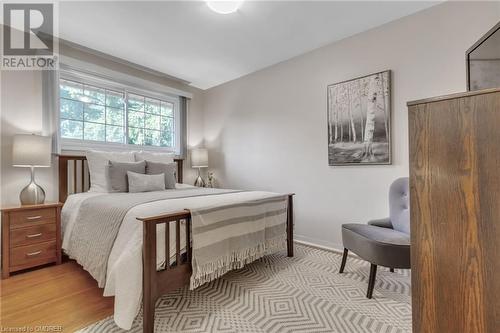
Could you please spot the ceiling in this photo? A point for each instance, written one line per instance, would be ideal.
(187, 40)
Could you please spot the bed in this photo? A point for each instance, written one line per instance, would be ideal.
(153, 247)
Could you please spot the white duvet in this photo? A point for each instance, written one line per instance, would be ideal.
(124, 271)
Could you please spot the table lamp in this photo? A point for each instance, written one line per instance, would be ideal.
(199, 159)
(31, 151)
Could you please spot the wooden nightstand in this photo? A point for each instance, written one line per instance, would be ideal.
(31, 236)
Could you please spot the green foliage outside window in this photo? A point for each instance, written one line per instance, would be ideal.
(97, 114)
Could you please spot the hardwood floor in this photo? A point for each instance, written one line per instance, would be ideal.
(64, 296)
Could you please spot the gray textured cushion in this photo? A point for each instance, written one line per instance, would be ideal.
(381, 246)
(138, 182)
(399, 205)
(383, 223)
(169, 169)
(116, 174)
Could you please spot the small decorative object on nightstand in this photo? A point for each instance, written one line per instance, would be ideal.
(31, 236)
(31, 151)
(210, 180)
(199, 159)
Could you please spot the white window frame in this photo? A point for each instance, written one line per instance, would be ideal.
(70, 74)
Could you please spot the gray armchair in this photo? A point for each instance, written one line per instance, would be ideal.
(384, 242)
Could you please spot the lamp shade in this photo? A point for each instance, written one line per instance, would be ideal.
(199, 158)
(29, 150)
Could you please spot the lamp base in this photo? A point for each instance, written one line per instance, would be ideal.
(32, 194)
(199, 182)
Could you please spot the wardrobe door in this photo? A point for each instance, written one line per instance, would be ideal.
(455, 213)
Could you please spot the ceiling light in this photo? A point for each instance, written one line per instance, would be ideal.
(224, 7)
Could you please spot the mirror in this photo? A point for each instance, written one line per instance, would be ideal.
(483, 61)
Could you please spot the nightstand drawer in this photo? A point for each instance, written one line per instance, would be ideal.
(27, 218)
(32, 235)
(32, 255)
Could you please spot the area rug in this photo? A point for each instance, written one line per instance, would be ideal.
(280, 294)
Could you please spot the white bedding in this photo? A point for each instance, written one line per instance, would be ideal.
(124, 270)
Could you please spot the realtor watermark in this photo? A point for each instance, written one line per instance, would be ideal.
(28, 41)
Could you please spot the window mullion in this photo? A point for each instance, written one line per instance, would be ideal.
(83, 113)
(105, 115)
(125, 107)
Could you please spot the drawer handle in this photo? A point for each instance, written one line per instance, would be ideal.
(33, 253)
(34, 217)
(34, 235)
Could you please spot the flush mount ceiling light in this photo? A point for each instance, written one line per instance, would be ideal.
(224, 7)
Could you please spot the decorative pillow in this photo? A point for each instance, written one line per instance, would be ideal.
(116, 173)
(97, 161)
(138, 182)
(169, 169)
(154, 157)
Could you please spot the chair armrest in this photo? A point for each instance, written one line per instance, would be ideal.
(383, 223)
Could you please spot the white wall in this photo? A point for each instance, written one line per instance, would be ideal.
(268, 130)
(21, 106)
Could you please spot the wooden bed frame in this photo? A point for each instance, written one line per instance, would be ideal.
(74, 178)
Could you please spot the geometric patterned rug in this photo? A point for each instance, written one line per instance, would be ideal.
(280, 294)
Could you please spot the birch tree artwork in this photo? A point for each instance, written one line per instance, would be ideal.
(359, 114)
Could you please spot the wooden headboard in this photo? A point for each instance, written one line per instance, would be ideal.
(74, 176)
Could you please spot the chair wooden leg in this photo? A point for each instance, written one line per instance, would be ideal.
(391, 270)
(344, 259)
(289, 227)
(371, 280)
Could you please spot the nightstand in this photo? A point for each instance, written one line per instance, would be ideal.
(31, 236)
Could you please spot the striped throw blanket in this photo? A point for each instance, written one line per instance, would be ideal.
(227, 237)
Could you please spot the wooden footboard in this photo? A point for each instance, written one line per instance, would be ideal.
(156, 283)
(171, 277)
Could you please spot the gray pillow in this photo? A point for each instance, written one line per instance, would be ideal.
(116, 174)
(138, 182)
(169, 169)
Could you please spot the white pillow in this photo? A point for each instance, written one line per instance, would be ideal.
(98, 160)
(138, 182)
(154, 157)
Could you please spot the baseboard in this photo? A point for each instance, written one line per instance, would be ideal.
(323, 245)
(325, 248)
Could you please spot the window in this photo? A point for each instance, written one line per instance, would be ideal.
(150, 121)
(94, 113)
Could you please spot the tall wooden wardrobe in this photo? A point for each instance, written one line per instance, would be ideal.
(455, 212)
